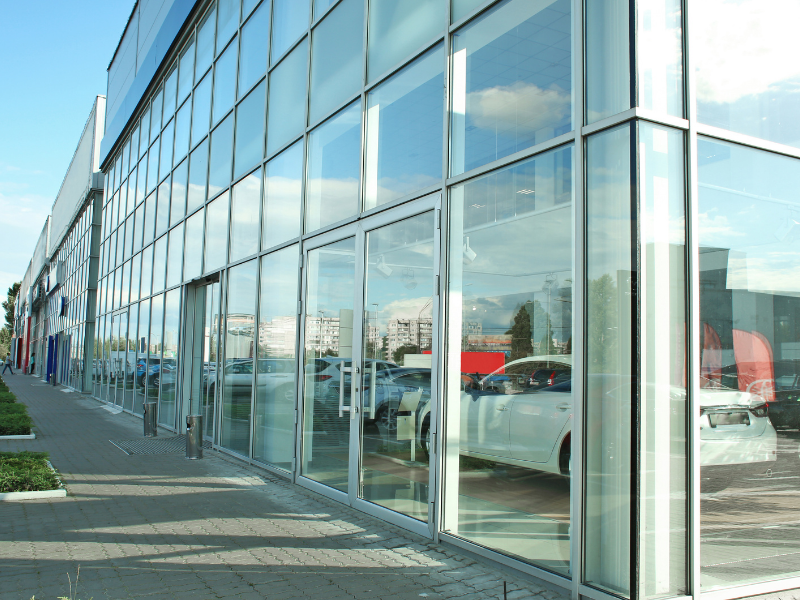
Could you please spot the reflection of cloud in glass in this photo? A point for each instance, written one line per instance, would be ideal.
(730, 68)
(522, 106)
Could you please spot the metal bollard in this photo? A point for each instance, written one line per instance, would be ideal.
(194, 437)
(150, 420)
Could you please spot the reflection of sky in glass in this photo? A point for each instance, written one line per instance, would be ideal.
(404, 121)
(749, 204)
(512, 87)
(333, 169)
(289, 20)
(287, 98)
(283, 196)
(754, 87)
(516, 228)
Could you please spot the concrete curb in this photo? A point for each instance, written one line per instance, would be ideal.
(11, 496)
(32, 436)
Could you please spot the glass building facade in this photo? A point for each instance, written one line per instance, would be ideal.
(398, 252)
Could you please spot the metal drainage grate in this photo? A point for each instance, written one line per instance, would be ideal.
(168, 445)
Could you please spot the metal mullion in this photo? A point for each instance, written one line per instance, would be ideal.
(636, 368)
(285, 146)
(471, 15)
(332, 113)
(315, 20)
(578, 316)
(608, 122)
(745, 140)
(278, 247)
(288, 51)
(561, 140)
(427, 191)
(406, 61)
(741, 591)
(693, 308)
(254, 392)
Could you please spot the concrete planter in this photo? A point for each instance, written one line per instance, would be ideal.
(61, 492)
(32, 436)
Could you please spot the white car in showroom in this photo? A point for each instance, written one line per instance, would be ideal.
(507, 420)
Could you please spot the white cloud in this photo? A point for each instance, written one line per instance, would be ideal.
(521, 106)
(746, 47)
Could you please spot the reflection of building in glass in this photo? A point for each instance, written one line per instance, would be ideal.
(276, 337)
(409, 332)
(239, 338)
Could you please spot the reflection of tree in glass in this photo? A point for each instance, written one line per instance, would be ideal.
(521, 332)
(400, 353)
(601, 324)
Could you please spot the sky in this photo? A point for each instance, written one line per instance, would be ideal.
(53, 60)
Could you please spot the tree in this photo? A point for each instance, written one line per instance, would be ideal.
(521, 334)
(601, 325)
(8, 305)
(400, 353)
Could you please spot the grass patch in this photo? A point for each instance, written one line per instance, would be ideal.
(26, 472)
(15, 424)
(8, 408)
(7, 397)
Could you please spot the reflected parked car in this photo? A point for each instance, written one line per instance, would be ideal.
(275, 376)
(532, 428)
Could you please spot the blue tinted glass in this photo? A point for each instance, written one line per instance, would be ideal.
(248, 5)
(152, 171)
(287, 98)
(336, 58)
(179, 193)
(175, 256)
(216, 250)
(404, 131)
(289, 20)
(186, 71)
(320, 6)
(205, 43)
(201, 109)
(224, 82)
(182, 129)
(219, 163)
(333, 169)
(162, 207)
(193, 246)
(165, 164)
(512, 81)
(397, 28)
(227, 21)
(245, 204)
(461, 8)
(198, 170)
(283, 196)
(255, 45)
(249, 132)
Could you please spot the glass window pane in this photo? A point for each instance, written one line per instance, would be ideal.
(144, 140)
(136, 277)
(155, 113)
(250, 122)
(150, 219)
(289, 20)
(509, 381)
(175, 256)
(165, 164)
(320, 6)
(247, 6)
(608, 78)
(227, 21)
(182, 128)
(461, 8)
(135, 145)
(174, 211)
(745, 80)
(201, 110)
(333, 169)
(224, 82)
(152, 172)
(662, 225)
(162, 210)
(205, 43)
(749, 346)
(237, 378)
(193, 246)
(170, 93)
(660, 55)
(147, 271)
(216, 250)
(138, 228)
(155, 347)
(186, 71)
(160, 264)
(512, 81)
(404, 131)
(273, 435)
(336, 66)
(610, 338)
(246, 201)
(253, 55)
(399, 27)
(287, 98)
(283, 196)
(198, 174)
(125, 290)
(141, 343)
(220, 162)
(169, 358)
(128, 248)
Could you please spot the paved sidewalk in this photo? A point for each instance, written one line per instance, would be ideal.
(161, 526)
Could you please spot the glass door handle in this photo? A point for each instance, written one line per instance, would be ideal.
(342, 370)
(373, 374)
(354, 385)
(501, 408)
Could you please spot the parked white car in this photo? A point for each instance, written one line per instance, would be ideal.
(529, 427)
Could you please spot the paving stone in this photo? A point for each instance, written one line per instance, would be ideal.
(156, 526)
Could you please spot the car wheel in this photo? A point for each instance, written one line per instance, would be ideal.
(387, 419)
(143, 381)
(565, 457)
(425, 434)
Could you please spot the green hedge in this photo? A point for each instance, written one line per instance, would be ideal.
(15, 408)
(7, 397)
(11, 424)
(26, 472)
